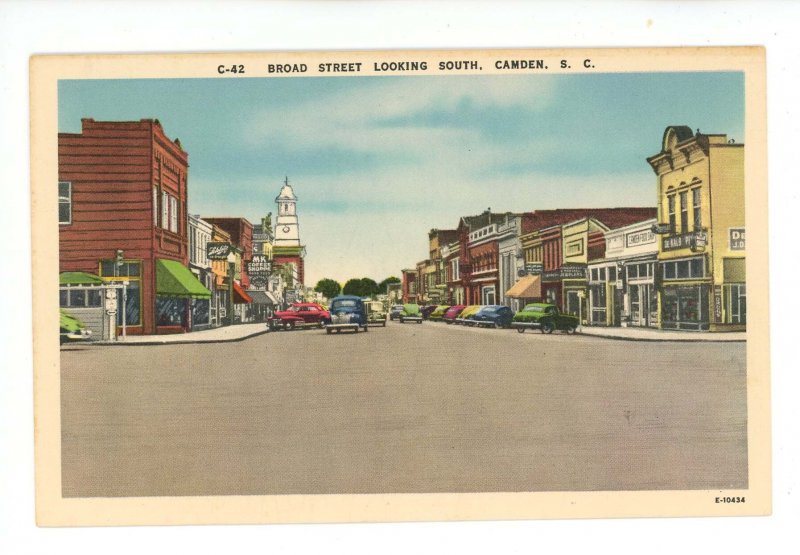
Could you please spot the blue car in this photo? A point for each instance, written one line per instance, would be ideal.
(496, 315)
(347, 312)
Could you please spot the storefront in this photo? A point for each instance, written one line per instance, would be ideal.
(91, 300)
(176, 288)
(685, 294)
(527, 290)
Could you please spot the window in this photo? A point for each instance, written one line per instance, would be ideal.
(671, 209)
(683, 269)
(130, 272)
(164, 209)
(173, 214)
(155, 206)
(684, 212)
(64, 202)
(698, 224)
(735, 303)
(80, 298)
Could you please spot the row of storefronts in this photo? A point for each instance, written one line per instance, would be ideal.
(133, 261)
(679, 265)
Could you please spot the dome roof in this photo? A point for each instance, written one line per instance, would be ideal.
(287, 193)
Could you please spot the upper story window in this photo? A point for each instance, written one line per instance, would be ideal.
(173, 214)
(696, 216)
(684, 212)
(164, 209)
(64, 202)
(155, 206)
(671, 212)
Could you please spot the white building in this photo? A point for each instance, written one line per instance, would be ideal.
(204, 311)
(511, 263)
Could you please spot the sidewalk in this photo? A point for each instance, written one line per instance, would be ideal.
(649, 334)
(217, 335)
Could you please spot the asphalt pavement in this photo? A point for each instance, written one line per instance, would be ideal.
(409, 408)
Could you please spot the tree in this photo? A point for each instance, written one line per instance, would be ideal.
(364, 287)
(328, 287)
(391, 279)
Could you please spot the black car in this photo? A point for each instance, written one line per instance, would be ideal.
(394, 313)
(496, 315)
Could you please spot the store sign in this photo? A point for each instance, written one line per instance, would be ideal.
(718, 303)
(259, 264)
(686, 241)
(258, 282)
(290, 295)
(218, 251)
(736, 238)
(565, 272)
(660, 229)
(534, 268)
(639, 238)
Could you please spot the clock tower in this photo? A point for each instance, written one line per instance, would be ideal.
(286, 248)
(287, 232)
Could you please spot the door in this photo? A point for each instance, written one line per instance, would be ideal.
(573, 303)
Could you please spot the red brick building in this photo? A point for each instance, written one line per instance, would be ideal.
(240, 231)
(123, 216)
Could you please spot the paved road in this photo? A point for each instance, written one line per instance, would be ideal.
(406, 408)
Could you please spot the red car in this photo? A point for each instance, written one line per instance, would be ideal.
(452, 313)
(300, 315)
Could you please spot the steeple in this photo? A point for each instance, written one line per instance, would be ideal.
(287, 232)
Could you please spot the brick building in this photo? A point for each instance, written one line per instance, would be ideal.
(123, 196)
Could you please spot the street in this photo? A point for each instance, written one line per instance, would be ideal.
(407, 408)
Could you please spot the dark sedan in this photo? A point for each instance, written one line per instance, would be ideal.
(497, 316)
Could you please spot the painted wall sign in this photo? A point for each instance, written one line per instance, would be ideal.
(736, 238)
(639, 238)
(684, 241)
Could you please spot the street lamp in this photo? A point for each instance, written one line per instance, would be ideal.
(231, 267)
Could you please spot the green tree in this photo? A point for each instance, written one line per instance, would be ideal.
(363, 287)
(391, 279)
(352, 287)
(328, 287)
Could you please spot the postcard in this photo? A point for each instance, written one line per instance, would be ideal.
(370, 286)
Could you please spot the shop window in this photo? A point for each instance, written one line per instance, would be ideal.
(735, 303)
(685, 308)
(170, 311)
(683, 269)
(595, 274)
(79, 298)
(612, 274)
(64, 202)
(200, 312)
(598, 300)
(131, 272)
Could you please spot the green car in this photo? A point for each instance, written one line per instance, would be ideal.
(376, 314)
(72, 329)
(438, 314)
(467, 312)
(410, 313)
(545, 318)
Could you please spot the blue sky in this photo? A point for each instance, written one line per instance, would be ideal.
(378, 161)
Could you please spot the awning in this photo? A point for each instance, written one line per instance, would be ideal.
(240, 296)
(79, 278)
(173, 279)
(260, 297)
(529, 287)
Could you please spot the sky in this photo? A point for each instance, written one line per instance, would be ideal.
(376, 162)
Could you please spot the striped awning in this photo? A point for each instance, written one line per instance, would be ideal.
(529, 287)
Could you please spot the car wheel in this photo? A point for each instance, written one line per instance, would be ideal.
(384, 323)
(328, 331)
(366, 328)
(288, 326)
(419, 321)
(570, 329)
(498, 325)
(547, 327)
(521, 330)
(401, 320)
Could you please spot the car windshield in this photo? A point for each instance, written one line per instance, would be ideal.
(344, 303)
(534, 308)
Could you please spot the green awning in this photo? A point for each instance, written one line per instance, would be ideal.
(173, 279)
(79, 278)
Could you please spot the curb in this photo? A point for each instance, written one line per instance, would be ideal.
(186, 342)
(660, 340)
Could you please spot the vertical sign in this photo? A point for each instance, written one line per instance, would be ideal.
(718, 303)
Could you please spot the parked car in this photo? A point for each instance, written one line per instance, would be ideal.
(468, 311)
(498, 316)
(376, 313)
(395, 311)
(452, 313)
(410, 313)
(427, 310)
(544, 317)
(347, 312)
(438, 314)
(300, 315)
(72, 329)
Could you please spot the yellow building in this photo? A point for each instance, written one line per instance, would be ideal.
(701, 254)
